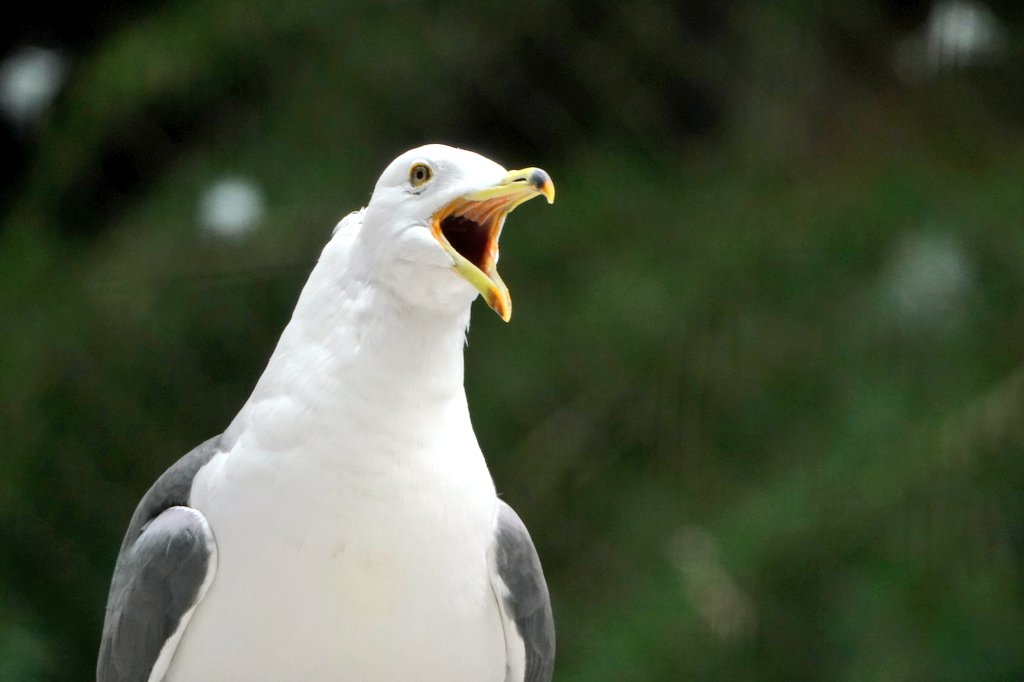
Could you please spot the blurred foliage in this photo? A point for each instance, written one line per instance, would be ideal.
(760, 404)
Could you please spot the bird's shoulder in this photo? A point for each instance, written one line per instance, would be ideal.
(520, 586)
(173, 487)
(166, 563)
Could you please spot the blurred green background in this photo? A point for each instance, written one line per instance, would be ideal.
(761, 403)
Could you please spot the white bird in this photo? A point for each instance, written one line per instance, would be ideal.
(345, 525)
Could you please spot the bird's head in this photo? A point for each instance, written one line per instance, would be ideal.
(433, 223)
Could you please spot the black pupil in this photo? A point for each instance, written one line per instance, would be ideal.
(421, 174)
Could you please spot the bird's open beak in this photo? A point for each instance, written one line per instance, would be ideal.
(468, 229)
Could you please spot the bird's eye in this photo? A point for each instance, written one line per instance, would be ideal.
(420, 174)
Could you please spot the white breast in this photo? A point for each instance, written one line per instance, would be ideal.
(336, 566)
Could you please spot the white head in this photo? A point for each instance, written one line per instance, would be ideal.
(430, 232)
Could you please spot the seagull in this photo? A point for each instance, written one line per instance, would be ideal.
(345, 526)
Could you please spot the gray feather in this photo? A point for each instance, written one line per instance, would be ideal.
(164, 560)
(527, 602)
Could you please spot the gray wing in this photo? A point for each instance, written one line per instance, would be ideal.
(167, 561)
(522, 593)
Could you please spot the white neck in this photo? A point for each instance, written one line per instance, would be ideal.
(354, 348)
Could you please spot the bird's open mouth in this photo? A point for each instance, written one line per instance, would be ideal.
(469, 227)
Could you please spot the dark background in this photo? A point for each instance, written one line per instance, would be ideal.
(761, 400)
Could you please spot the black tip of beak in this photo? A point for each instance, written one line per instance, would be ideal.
(539, 179)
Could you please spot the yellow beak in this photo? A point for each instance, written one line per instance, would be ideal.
(468, 229)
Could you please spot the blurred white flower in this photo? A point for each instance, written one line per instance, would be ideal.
(957, 33)
(726, 609)
(231, 207)
(29, 80)
(927, 282)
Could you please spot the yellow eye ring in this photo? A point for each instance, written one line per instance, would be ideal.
(420, 174)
